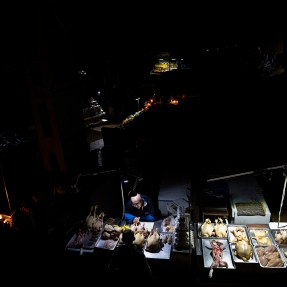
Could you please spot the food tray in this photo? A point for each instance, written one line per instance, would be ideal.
(108, 244)
(283, 249)
(147, 225)
(88, 241)
(168, 224)
(261, 240)
(165, 251)
(276, 248)
(237, 259)
(276, 231)
(211, 237)
(232, 227)
(243, 233)
(207, 257)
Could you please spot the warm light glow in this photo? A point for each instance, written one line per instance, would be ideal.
(174, 102)
(6, 219)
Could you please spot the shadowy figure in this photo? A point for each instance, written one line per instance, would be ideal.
(129, 261)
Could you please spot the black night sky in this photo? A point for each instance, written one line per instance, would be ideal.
(127, 36)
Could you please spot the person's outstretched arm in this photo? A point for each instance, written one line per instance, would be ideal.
(148, 217)
(129, 218)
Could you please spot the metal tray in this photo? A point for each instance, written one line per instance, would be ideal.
(211, 237)
(88, 243)
(283, 249)
(207, 257)
(277, 249)
(107, 244)
(168, 224)
(265, 241)
(237, 259)
(165, 251)
(143, 224)
(274, 232)
(232, 227)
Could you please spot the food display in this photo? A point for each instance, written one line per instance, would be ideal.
(270, 256)
(83, 239)
(142, 227)
(237, 233)
(94, 221)
(243, 250)
(207, 229)
(87, 237)
(218, 229)
(161, 247)
(280, 236)
(140, 239)
(283, 249)
(168, 224)
(216, 254)
(141, 232)
(181, 236)
(223, 245)
(109, 244)
(154, 242)
(260, 236)
(167, 238)
(241, 247)
(109, 237)
(244, 244)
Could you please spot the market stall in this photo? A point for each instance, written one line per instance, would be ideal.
(245, 248)
(246, 254)
(156, 239)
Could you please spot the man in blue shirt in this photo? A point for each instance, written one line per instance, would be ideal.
(139, 208)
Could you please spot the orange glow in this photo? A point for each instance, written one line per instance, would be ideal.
(174, 102)
(6, 219)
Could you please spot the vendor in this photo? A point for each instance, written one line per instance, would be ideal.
(139, 207)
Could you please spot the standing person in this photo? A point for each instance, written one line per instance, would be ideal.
(128, 259)
(140, 207)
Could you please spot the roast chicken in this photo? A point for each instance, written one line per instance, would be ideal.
(261, 236)
(94, 222)
(243, 249)
(239, 234)
(139, 239)
(262, 240)
(207, 229)
(281, 236)
(154, 242)
(220, 228)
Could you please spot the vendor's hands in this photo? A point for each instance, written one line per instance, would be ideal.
(136, 221)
